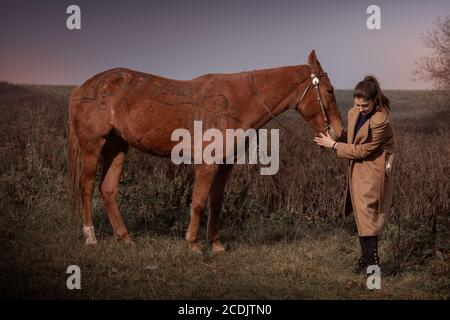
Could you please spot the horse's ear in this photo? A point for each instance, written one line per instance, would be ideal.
(314, 63)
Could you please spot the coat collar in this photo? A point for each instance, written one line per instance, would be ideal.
(363, 132)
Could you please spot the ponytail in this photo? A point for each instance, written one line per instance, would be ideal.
(369, 89)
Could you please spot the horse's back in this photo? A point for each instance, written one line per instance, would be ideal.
(144, 109)
(90, 88)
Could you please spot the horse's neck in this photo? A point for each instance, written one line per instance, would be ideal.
(273, 92)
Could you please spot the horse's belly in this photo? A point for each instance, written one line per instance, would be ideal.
(148, 127)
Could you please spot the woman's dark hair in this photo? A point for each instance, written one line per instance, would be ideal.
(369, 89)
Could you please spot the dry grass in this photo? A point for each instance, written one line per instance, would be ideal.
(286, 240)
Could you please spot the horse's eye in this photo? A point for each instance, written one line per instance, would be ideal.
(330, 91)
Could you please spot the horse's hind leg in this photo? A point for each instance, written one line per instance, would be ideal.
(215, 204)
(204, 176)
(87, 177)
(113, 154)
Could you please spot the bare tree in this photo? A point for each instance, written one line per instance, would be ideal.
(436, 69)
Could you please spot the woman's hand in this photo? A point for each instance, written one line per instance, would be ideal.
(324, 140)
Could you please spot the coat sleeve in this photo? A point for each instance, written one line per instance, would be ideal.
(361, 151)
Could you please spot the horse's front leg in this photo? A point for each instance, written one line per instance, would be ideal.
(204, 177)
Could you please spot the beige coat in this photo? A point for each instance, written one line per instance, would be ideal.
(370, 170)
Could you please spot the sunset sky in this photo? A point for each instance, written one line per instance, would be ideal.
(184, 39)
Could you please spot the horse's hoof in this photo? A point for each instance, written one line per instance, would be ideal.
(89, 234)
(194, 248)
(128, 240)
(90, 241)
(217, 248)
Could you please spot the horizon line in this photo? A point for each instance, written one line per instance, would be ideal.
(77, 85)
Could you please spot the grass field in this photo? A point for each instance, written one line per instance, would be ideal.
(284, 233)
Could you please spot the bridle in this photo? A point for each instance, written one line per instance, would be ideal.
(314, 82)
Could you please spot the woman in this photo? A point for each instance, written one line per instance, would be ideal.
(369, 147)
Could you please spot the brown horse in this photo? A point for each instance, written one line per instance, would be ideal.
(122, 107)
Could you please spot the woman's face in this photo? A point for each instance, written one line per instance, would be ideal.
(364, 106)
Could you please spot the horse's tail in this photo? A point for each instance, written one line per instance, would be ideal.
(74, 160)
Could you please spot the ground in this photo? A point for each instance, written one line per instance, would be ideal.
(284, 233)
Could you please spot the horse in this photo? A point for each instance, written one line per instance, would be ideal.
(120, 107)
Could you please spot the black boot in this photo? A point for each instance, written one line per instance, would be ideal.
(369, 257)
(371, 244)
(361, 264)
